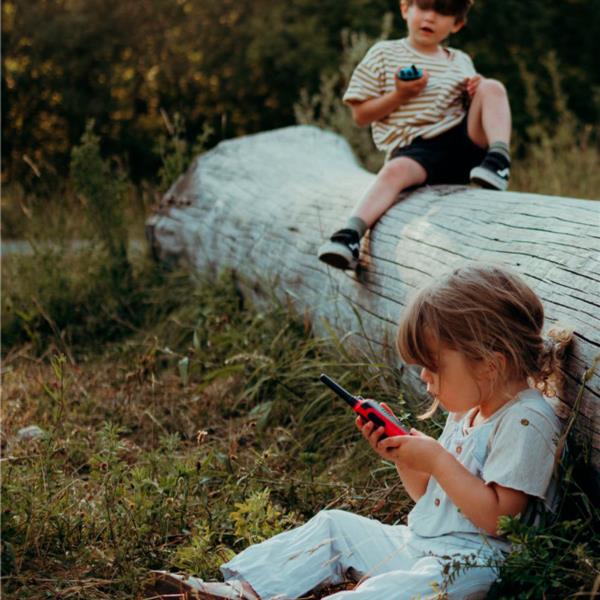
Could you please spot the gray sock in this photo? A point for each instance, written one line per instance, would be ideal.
(500, 148)
(358, 225)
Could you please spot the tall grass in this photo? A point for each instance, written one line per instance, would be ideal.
(561, 156)
(83, 282)
(204, 432)
(142, 467)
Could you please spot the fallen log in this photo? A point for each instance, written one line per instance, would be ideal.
(262, 204)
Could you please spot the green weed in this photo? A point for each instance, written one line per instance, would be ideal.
(140, 469)
(104, 191)
(175, 151)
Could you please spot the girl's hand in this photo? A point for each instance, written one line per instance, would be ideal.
(472, 83)
(416, 451)
(410, 89)
(373, 434)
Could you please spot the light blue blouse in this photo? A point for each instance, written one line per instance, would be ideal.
(515, 448)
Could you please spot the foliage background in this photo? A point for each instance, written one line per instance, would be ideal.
(238, 66)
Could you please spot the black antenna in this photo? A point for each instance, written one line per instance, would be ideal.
(339, 390)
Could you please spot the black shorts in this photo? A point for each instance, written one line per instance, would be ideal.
(448, 157)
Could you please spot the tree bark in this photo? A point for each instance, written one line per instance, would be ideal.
(262, 205)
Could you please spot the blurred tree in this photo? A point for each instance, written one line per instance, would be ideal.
(236, 66)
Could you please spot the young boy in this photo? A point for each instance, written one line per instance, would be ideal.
(450, 125)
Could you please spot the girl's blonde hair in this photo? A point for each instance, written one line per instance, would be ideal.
(480, 311)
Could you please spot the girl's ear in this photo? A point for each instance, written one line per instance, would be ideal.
(491, 368)
(495, 366)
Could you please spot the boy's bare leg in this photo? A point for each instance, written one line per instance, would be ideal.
(489, 118)
(395, 176)
(342, 251)
(489, 126)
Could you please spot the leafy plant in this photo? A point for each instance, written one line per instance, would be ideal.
(104, 193)
(203, 554)
(175, 151)
(257, 519)
(558, 561)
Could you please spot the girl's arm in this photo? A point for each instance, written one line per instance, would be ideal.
(414, 481)
(481, 503)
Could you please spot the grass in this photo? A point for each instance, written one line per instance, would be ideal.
(144, 465)
(203, 431)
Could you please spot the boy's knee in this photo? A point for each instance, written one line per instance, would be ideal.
(394, 170)
(492, 87)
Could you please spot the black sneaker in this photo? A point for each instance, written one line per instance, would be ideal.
(493, 172)
(342, 249)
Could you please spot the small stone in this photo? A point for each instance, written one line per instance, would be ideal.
(32, 432)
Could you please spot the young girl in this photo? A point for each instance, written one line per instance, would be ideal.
(477, 335)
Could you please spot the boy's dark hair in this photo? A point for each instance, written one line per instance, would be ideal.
(455, 8)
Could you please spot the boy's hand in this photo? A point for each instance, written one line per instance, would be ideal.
(410, 89)
(472, 83)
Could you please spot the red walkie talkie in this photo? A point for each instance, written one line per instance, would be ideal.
(367, 409)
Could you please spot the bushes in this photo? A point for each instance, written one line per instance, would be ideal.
(237, 67)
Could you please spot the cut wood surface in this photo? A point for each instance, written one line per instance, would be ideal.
(262, 205)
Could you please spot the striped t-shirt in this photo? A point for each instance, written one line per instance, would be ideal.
(439, 107)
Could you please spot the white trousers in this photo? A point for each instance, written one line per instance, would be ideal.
(392, 562)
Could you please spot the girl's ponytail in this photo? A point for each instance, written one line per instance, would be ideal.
(549, 378)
